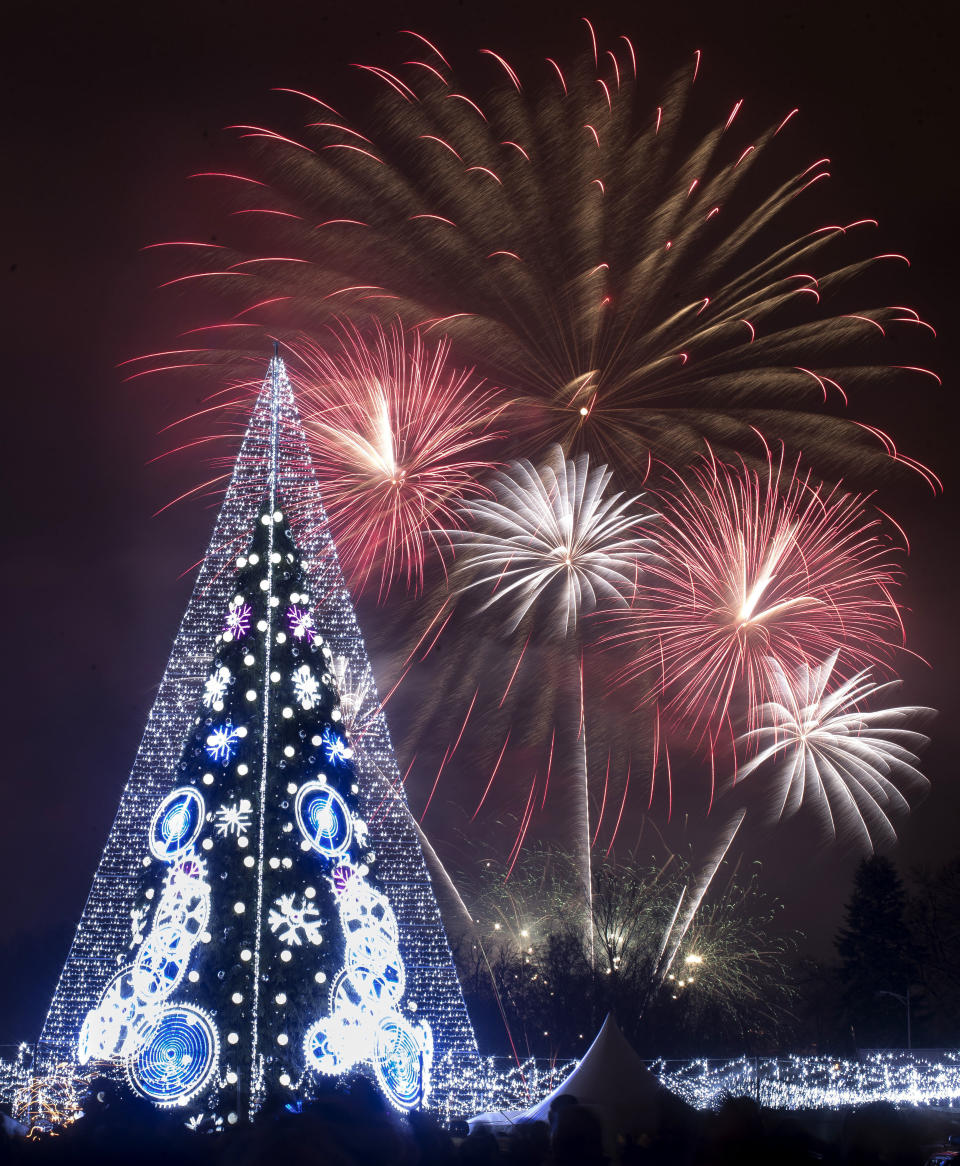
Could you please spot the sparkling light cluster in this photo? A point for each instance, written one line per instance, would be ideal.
(469, 1085)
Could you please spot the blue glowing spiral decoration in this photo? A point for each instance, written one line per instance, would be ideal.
(323, 818)
(399, 1062)
(177, 822)
(176, 1057)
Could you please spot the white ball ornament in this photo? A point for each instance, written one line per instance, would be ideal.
(246, 955)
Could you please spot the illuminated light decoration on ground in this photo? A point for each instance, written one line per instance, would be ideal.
(287, 920)
(825, 748)
(402, 1058)
(234, 819)
(306, 687)
(177, 1056)
(177, 822)
(323, 818)
(222, 743)
(337, 751)
(237, 622)
(468, 1085)
(215, 689)
(299, 621)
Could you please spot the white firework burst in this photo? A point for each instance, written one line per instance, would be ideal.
(549, 538)
(215, 688)
(234, 819)
(825, 749)
(306, 687)
(287, 920)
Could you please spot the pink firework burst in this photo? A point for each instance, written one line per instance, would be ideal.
(396, 436)
(756, 572)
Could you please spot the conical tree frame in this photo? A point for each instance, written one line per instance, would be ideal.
(273, 461)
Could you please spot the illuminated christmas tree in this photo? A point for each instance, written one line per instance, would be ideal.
(262, 914)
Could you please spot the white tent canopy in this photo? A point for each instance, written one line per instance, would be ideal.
(611, 1080)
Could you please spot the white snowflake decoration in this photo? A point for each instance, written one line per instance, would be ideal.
(306, 687)
(215, 688)
(287, 920)
(222, 742)
(234, 819)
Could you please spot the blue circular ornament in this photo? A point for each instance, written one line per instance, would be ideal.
(399, 1062)
(176, 1057)
(324, 819)
(177, 822)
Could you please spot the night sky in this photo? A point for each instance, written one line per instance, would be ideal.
(107, 108)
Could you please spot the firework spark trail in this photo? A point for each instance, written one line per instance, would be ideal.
(395, 434)
(549, 545)
(674, 936)
(752, 567)
(823, 748)
(642, 286)
(637, 285)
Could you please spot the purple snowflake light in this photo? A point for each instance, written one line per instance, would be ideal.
(238, 620)
(300, 621)
(341, 875)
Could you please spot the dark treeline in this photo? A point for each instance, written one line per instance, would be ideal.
(738, 983)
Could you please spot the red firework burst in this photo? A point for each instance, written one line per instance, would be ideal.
(753, 568)
(396, 436)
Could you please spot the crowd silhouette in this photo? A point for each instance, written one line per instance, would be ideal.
(352, 1125)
